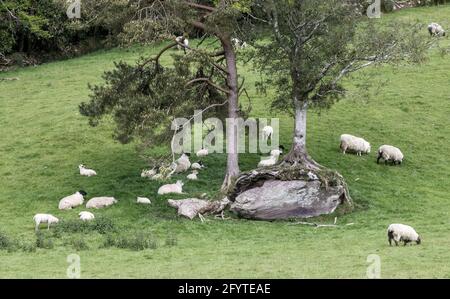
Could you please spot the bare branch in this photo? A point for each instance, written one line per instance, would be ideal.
(207, 80)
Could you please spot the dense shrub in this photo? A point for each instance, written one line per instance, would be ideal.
(79, 244)
(44, 240)
(102, 225)
(134, 241)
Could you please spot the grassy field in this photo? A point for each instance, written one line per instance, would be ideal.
(44, 138)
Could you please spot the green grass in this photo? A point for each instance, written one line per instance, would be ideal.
(43, 139)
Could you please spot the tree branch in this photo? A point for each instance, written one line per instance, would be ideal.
(207, 80)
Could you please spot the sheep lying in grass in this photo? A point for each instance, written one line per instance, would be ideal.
(436, 30)
(182, 164)
(402, 233)
(193, 176)
(171, 188)
(390, 153)
(202, 153)
(149, 173)
(267, 132)
(143, 200)
(272, 160)
(238, 44)
(197, 165)
(100, 202)
(86, 171)
(72, 201)
(183, 43)
(44, 218)
(354, 144)
(86, 216)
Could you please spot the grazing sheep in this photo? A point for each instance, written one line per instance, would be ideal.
(149, 173)
(182, 164)
(86, 171)
(72, 201)
(354, 144)
(272, 160)
(183, 43)
(193, 176)
(402, 233)
(86, 216)
(267, 132)
(143, 200)
(390, 153)
(44, 218)
(171, 188)
(436, 30)
(100, 202)
(197, 165)
(203, 152)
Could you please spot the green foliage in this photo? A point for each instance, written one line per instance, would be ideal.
(44, 240)
(79, 244)
(5, 241)
(134, 241)
(102, 225)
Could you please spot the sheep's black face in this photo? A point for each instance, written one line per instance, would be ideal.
(82, 192)
(418, 241)
(200, 163)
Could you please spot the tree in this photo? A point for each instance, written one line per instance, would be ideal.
(144, 98)
(314, 45)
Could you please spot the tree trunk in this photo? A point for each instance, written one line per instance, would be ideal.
(232, 136)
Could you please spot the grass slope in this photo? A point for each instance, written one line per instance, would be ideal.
(43, 139)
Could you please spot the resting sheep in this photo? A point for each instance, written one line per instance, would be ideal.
(272, 160)
(171, 188)
(183, 43)
(197, 165)
(86, 171)
(86, 216)
(203, 152)
(193, 176)
(44, 218)
(182, 164)
(402, 233)
(267, 132)
(390, 153)
(436, 30)
(354, 144)
(72, 201)
(238, 44)
(100, 202)
(143, 200)
(149, 173)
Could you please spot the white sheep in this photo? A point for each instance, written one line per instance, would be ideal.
(86, 171)
(402, 233)
(44, 218)
(436, 30)
(267, 132)
(183, 43)
(272, 160)
(148, 173)
(193, 176)
(202, 153)
(86, 216)
(238, 44)
(100, 202)
(182, 164)
(197, 165)
(72, 201)
(171, 188)
(143, 200)
(354, 144)
(390, 153)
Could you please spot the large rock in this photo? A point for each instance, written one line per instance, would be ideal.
(292, 193)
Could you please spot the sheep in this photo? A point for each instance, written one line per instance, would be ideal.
(149, 173)
(86, 216)
(86, 171)
(354, 144)
(197, 165)
(100, 202)
(183, 43)
(182, 164)
(143, 200)
(267, 132)
(44, 218)
(193, 176)
(171, 188)
(272, 160)
(238, 44)
(390, 153)
(402, 232)
(436, 30)
(277, 152)
(72, 201)
(202, 153)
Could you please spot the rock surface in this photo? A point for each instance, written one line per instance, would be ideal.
(191, 207)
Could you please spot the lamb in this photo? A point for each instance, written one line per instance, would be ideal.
(436, 30)
(202, 153)
(143, 200)
(171, 188)
(272, 160)
(183, 43)
(86, 171)
(193, 176)
(390, 153)
(277, 152)
(86, 216)
(72, 201)
(354, 144)
(267, 132)
(44, 218)
(402, 232)
(100, 202)
(182, 164)
(197, 165)
(148, 173)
